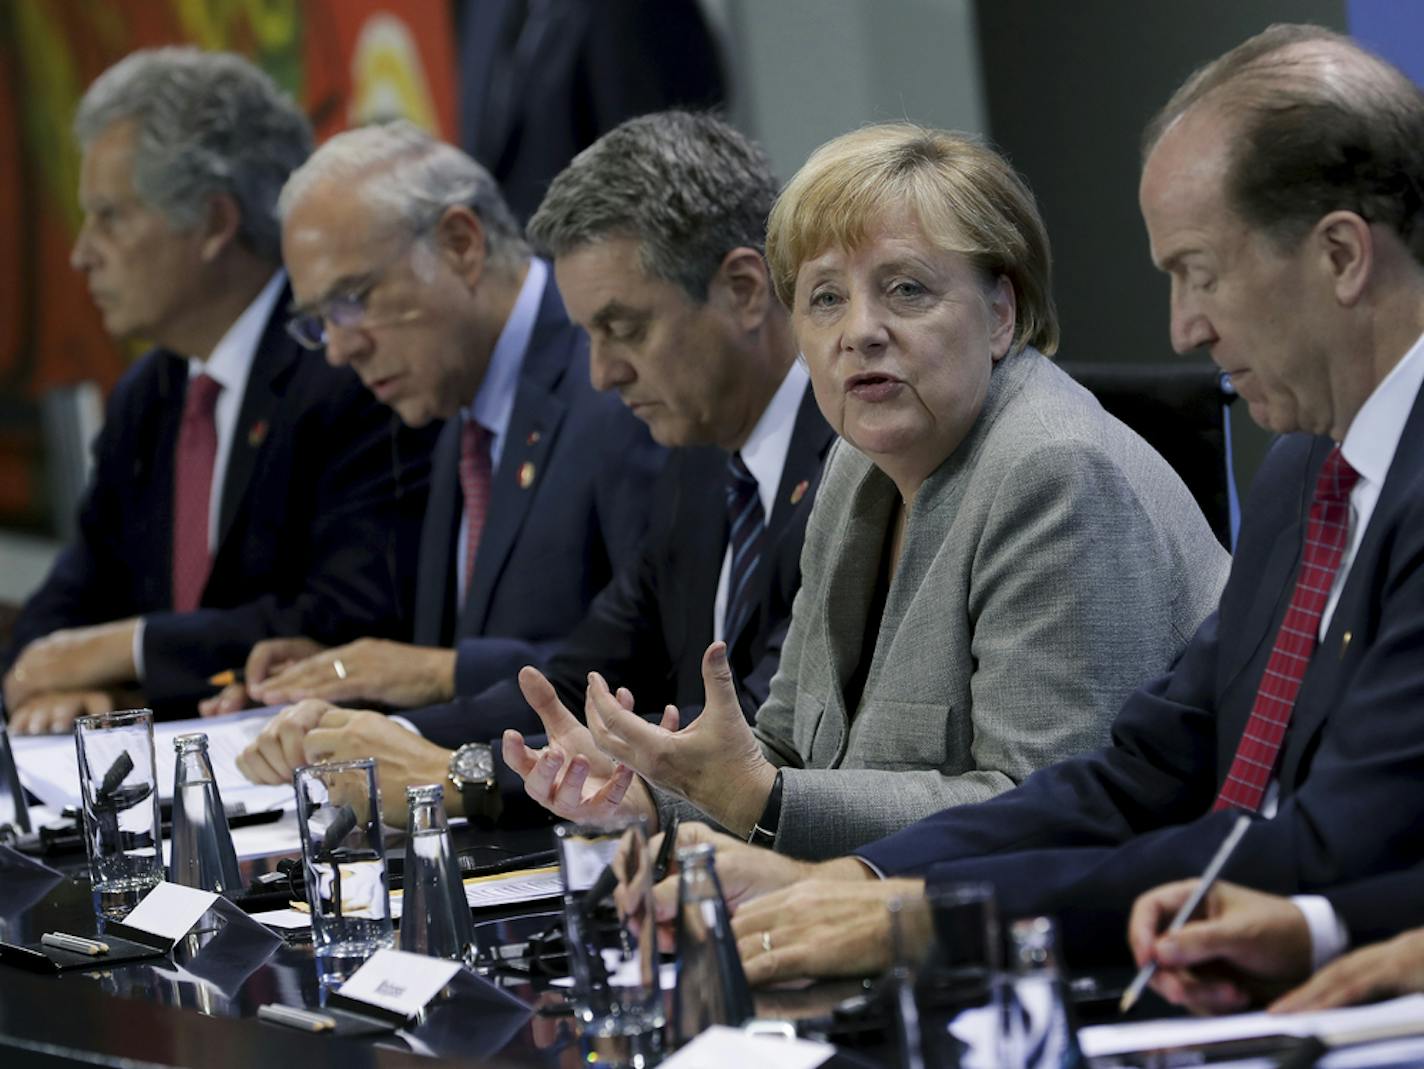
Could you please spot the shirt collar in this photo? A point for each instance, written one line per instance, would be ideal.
(231, 359)
(494, 401)
(765, 450)
(1374, 433)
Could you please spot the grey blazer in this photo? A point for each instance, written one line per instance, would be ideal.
(1049, 566)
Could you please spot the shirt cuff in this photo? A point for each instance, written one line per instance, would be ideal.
(138, 647)
(874, 869)
(403, 722)
(1328, 937)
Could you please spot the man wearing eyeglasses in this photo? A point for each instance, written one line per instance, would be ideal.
(241, 489)
(408, 267)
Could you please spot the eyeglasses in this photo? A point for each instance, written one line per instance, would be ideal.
(346, 311)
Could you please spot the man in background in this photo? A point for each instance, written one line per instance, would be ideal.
(241, 489)
(408, 268)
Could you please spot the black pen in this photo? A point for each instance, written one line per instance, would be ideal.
(665, 851)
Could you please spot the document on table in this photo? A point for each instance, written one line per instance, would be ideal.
(49, 768)
(1114, 1039)
(508, 889)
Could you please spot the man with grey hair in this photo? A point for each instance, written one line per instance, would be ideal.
(240, 490)
(408, 267)
(657, 232)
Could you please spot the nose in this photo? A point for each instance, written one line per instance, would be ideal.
(345, 346)
(1191, 328)
(81, 257)
(607, 368)
(863, 330)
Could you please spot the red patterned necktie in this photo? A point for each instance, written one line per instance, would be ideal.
(475, 478)
(192, 492)
(1325, 536)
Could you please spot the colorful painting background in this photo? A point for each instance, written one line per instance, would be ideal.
(346, 62)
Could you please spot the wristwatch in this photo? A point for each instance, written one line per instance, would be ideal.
(472, 774)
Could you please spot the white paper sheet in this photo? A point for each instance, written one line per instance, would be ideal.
(1100, 1040)
(48, 765)
(515, 888)
(719, 1047)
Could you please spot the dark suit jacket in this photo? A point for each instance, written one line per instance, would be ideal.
(648, 629)
(547, 547)
(321, 502)
(1084, 837)
(539, 82)
(1380, 907)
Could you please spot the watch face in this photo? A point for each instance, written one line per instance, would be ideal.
(474, 763)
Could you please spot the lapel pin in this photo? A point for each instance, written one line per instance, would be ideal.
(1345, 643)
(533, 438)
(800, 491)
(257, 433)
(526, 475)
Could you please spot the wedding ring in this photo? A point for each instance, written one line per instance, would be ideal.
(339, 668)
(766, 941)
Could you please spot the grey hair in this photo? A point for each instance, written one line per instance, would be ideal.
(687, 186)
(409, 179)
(208, 123)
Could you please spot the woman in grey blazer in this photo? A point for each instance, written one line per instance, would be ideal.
(993, 562)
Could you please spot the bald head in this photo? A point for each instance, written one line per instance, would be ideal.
(1317, 124)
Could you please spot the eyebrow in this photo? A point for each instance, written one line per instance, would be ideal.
(615, 310)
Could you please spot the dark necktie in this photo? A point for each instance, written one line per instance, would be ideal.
(475, 477)
(1325, 535)
(747, 533)
(192, 492)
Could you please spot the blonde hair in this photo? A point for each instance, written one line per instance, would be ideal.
(963, 193)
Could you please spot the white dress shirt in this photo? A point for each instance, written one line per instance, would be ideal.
(764, 454)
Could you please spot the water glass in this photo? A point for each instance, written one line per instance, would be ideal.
(344, 858)
(119, 787)
(611, 935)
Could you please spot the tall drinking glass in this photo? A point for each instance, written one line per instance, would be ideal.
(612, 942)
(122, 831)
(344, 857)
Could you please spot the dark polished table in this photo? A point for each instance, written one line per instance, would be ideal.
(196, 1008)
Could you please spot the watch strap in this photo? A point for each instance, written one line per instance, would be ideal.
(764, 830)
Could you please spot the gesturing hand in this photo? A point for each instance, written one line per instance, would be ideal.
(715, 763)
(570, 776)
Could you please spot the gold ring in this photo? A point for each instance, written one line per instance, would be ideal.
(766, 941)
(339, 668)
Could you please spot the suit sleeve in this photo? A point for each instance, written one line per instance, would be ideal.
(364, 496)
(1070, 604)
(83, 585)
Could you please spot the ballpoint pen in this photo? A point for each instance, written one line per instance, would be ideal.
(1213, 870)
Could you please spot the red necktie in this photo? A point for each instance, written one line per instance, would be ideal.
(192, 492)
(475, 477)
(1325, 536)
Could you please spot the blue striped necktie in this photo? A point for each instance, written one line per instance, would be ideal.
(747, 533)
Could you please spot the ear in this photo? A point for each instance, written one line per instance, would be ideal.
(742, 285)
(460, 241)
(1346, 253)
(1002, 306)
(221, 226)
